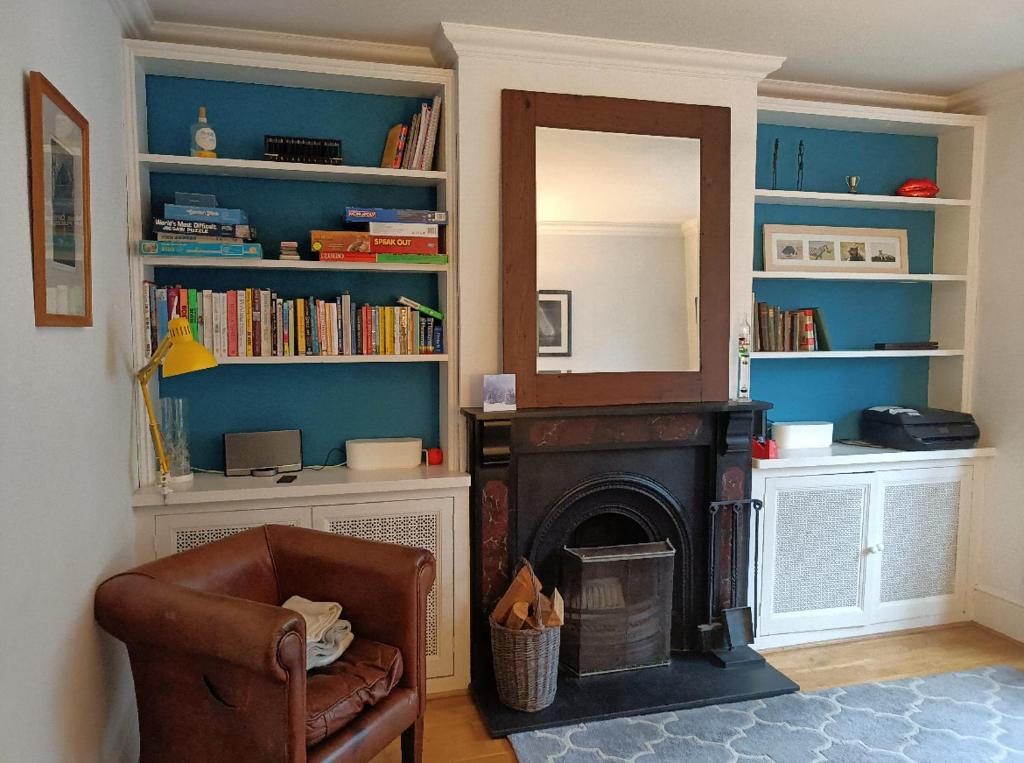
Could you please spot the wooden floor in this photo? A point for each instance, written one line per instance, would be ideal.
(455, 733)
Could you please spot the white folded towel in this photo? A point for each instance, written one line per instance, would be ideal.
(319, 615)
(334, 643)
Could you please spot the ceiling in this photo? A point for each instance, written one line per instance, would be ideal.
(936, 47)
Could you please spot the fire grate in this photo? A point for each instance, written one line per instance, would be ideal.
(618, 612)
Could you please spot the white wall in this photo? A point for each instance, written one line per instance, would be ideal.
(65, 513)
(491, 60)
(999, 368)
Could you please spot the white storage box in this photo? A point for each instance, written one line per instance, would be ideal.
(384, 453)
(792, 435)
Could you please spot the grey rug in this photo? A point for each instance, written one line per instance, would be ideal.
(970, 717)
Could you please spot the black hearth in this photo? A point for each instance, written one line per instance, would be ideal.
(547, 480)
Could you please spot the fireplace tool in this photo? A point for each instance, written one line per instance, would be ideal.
(727, 640)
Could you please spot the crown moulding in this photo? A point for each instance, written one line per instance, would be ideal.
(995, 91)
(455, 41)
(813, 91)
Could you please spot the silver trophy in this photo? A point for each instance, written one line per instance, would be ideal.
(851, 182)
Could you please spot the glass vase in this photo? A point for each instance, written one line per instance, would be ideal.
(174, 429)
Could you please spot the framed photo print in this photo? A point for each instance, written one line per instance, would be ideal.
(809, 249)
(59, 164)
(554, 323)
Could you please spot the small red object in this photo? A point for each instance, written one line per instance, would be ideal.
(765, 448)
(435, 456)
(920, 187)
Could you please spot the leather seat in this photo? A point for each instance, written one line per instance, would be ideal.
(219, 667)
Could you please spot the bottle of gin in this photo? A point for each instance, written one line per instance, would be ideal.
(204, 139)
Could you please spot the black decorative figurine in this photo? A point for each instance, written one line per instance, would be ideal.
(775, 164)
(800, 167)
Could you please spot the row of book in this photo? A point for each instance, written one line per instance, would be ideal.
(412, 146)
(778, 330)
(259, 323)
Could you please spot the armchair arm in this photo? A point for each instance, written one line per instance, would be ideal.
(382, 587)
(141, 610)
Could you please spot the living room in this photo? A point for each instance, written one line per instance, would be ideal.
(376, 448)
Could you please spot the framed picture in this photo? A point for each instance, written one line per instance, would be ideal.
(810, 249)
(499, 392)
(59, 163)
(554, 323)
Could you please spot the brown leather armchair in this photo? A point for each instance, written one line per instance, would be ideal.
(220, 668)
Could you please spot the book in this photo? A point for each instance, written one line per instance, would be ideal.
(378, 214)
(248, 323)
(205, 214)
(148, 307)
(433, 126)
(421, 137)
(412, 259)
(193, 312)
(906, 345)
(331, 255)
(410, 145)
(266, 323)
(194, 237)
(232, 324)
(207, 315)
(403, 138)
(199, 249)
(162, 314)
(391, 148)
(425, 230)
(201, 228)
(423, 309)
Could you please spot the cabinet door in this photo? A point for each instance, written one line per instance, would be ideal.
(924, 542)
(179, 532)
(816, 574)
(424, 523)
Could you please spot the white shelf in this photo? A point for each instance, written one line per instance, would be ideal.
(783, 275)
(840, 454)
(255, 168)
(331, 481)
(299, 359)
(258, 264)
(826, 354)
(815, 199)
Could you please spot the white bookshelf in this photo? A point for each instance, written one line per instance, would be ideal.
(960, 160)
(252, 168)
(144, 58)
(253, 263)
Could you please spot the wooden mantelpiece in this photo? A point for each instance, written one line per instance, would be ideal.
(527, 465)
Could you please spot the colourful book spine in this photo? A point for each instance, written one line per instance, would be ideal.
(208, 329)
(438, 338)
(200, 228)
(193, 311)
(248, 323)
(404, 245)
(414, 331)
(161, 314)
(232, 324)
(300, 334)
(403, 137)
(314, 326)
(240, 320)
(266, 323)
(199, 249)
(422, 308)
(205, 214)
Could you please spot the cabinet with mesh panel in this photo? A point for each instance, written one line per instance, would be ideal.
(863, 551)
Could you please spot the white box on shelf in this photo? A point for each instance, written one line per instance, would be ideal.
(384, 453)
(802, 434)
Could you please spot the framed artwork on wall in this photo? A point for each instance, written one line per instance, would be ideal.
(810, 249)
(59, 164)
(554, 323)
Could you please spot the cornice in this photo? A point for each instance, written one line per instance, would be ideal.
(457, 41)
(296, 44)
(136, 17)
(813, 91)
(979, 98)
(611, 228)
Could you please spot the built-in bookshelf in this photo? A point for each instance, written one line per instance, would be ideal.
(330, 397)
(936, 301)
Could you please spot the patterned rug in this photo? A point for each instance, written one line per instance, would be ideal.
(950, 718)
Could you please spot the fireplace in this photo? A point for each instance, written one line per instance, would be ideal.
(547, 480)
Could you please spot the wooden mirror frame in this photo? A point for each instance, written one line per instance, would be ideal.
(522, 113)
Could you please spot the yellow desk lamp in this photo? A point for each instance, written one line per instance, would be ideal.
(179, 353)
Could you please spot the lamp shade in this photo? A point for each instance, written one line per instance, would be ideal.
(186, 354)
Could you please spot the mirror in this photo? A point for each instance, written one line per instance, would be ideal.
(618, 252)
(615, 239)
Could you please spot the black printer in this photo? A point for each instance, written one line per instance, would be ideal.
(918, 428)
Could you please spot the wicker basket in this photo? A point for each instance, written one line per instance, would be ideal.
(525, 666)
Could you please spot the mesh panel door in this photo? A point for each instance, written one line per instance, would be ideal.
(815, 536)
(921, 556)
(175, 533)
(421, 523)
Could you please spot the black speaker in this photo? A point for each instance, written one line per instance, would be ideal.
(262, 453)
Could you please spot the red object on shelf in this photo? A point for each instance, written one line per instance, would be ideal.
(920, 187)
(765, 448)
(435, 456)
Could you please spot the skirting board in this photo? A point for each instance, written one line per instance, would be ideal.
(999, 612)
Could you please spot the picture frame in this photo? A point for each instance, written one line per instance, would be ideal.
(554, 323)
(499, 392)
(59, 192)
(823, 249)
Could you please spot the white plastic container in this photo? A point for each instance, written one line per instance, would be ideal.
(795, 435)
(384, 453)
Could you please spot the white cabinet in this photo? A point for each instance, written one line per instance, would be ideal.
(857, 552)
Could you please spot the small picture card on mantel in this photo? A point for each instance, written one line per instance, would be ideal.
(499, 392)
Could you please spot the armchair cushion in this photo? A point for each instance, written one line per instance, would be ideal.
(363, 676)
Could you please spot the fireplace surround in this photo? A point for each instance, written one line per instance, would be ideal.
(547, 479)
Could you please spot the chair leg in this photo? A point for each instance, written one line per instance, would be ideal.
(412, 742)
